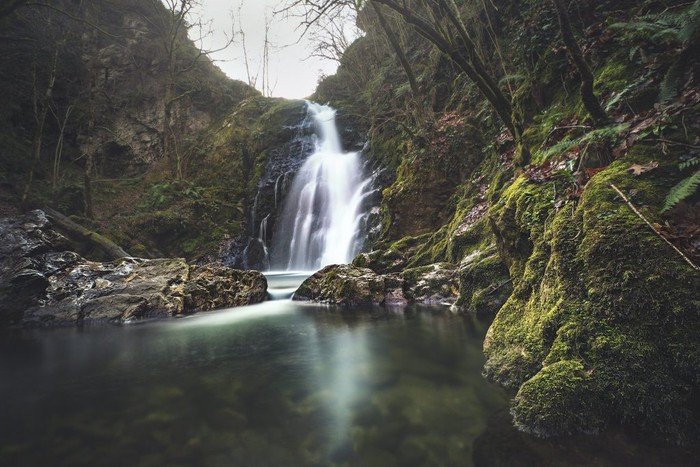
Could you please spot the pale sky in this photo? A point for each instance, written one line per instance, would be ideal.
(293, 74)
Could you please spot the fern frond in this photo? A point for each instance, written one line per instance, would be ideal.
(670, 27)
(689, 163)
(670, 85)
(560, 147)
(685, 188)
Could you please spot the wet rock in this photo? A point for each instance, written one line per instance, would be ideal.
(43, 287)
(435, 283)
(484, 283)
(24, 239)
(343, 285)
(382, 261)
(353, 285)
(393, 291)
(212, 286)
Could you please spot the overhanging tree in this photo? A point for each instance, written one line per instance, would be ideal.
(440, 23)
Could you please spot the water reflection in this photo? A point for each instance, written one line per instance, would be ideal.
(275, 384)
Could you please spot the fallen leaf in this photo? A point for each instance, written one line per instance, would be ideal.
(637, 169)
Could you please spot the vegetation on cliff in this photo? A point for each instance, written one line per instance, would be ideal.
(601, 326)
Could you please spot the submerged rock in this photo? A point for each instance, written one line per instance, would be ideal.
(41, 286)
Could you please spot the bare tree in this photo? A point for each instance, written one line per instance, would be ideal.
(440, 23)
(41, 100)
(180, 59)
(398, 50)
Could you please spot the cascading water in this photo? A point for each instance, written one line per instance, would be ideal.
(319, 223)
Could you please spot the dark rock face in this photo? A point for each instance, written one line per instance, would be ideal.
(287, 140)
(40, 286)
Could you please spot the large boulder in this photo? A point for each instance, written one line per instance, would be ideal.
(357, 286)
(212, 286)
(342, 284)
(41, 284)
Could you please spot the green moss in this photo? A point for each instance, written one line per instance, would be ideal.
(599, 302)
(614, 76)
(559, 399)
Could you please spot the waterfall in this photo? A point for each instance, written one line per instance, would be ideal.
(321, 213)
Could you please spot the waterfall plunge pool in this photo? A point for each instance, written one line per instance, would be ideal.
(279, 383)
(274, 384)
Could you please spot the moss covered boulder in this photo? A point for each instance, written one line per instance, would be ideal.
(484, 283)
(602, 326)
(348, 285)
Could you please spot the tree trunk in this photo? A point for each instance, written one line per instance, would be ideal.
(110, 249)
(590, 101)
(465, 58)
(41, 109)
(394, 41)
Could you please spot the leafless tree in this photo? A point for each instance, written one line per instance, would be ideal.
(180, 59)
(588, 97)
(441, 24)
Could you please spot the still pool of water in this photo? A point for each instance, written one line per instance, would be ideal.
(272, 384)
(275, 384)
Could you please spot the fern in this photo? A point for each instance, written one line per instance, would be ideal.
(670, 85)
(606, 134)
(669, 27)
(684, 189)
(689, 163)
(511, 79)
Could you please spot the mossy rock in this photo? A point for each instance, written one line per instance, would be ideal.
(434, 283)
(602, 297)
(559, 399)
(343, 285)
(484, 283)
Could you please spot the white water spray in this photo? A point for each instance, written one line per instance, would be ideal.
(319, 223)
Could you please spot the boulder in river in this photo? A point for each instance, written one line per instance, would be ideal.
(342, 284)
